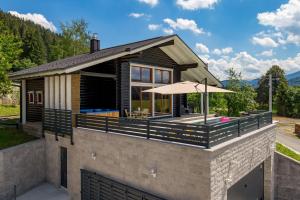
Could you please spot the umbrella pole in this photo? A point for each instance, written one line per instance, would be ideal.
(205, 101)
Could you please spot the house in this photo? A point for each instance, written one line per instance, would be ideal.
(84, 106)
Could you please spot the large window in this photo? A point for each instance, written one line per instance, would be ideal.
(162, 104)
(141, 101)
(141, 74)
(143, 78)
(162, 76)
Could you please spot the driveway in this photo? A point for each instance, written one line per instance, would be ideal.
(45, 191)
(288, 140)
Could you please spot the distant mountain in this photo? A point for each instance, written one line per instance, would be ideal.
(293, 79)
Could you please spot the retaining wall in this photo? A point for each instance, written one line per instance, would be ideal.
(23, 166)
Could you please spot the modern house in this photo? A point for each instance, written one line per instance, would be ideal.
(86, 107)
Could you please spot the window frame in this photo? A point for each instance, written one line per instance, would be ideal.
(37, 97)
(30, 93)
(140, 80)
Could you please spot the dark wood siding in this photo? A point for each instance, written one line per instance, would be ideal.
(124, 87)
(34, 111)
(156, 57)
(176, 97)
(97, 92)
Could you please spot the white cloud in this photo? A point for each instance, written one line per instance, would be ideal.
(184, 24)
(223, 51)
(35, 18)
(196, 4)
(150, 2)
(202, 48)
(153, 27)
(168, 31)
(264, 41)
(250, 66)
(136, 15)
(294, 39)
(267, 53)
(287, 16)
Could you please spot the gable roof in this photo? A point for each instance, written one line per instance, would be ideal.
(181, 54)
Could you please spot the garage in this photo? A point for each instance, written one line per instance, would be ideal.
(95, 187)
(250, 187)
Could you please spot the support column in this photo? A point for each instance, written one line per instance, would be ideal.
(207, 101)
(23, 93)
(202, 104)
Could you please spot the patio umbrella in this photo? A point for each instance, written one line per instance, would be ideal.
(187, 87)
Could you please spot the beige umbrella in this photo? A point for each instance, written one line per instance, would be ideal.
(186, 87)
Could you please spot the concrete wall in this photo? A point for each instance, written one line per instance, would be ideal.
(23, 166)
(287, 178)
(183, 171)
(234, 159)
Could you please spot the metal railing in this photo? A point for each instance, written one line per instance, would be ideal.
(206, 136)
(58, 121)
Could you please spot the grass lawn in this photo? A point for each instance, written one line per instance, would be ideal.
(8, 110)
(11, 137)
(286, 151)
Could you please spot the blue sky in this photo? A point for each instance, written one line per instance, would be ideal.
(248, 35)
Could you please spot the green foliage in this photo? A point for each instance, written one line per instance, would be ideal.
(278, 76)
(24, 44)
(286, 151)
(288, 101)
(9, 110)
(243, 98)
(11, 137)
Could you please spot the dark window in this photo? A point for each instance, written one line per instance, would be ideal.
(141, 74)
(39, 97)
(162, 104)
(31, 97)
(162, 76)
(141, 101)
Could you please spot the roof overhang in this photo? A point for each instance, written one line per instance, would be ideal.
(177, 50)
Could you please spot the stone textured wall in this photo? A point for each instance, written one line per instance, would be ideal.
(183, 171)
(287, 178)
(234, 159)
(23, 166)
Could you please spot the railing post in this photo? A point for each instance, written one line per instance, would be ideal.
(239, 128)
(106, 124)
(258, 121)
(148, 129)
(56, 121)
(76, 120)
(43, 122)
(72, 140)
(208, 136)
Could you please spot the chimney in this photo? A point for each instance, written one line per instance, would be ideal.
(95, 44)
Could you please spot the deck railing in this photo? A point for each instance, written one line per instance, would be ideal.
(58, 121)
(201, 135)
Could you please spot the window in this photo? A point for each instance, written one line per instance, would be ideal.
(141, 101)
(162, 104)
(39, 97)
(141, 74)
(162, 76)
(31, 97)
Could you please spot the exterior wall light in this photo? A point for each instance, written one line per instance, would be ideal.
(94, 155)
(153, 172)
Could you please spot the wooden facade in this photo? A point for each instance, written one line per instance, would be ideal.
(34, 109)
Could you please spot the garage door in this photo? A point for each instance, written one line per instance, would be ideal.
(250, 187)
(96, 187)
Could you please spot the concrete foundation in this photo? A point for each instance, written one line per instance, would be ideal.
(181, 171)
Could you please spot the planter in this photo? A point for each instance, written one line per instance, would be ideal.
(297, 129)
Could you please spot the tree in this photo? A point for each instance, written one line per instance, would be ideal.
(75, 38)
(10, 50)
(243, 98)
(278, 76)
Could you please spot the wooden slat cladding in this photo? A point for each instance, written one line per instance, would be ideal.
(124, 83)
(156, 57)
(34, 111)
(95, 186)
(75, 93)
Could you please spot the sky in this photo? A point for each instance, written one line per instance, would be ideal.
(247, 35)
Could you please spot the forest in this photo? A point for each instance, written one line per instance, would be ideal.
(24, 44)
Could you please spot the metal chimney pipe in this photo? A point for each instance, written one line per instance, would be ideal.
(95, 44)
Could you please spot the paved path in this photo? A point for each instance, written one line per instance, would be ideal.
(45, 191)
(288, 140)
